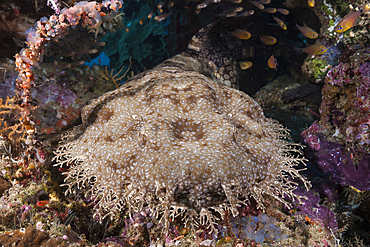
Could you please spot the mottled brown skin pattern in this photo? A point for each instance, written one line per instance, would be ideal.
(175, 140)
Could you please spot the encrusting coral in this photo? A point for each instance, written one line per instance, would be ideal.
(174, 140)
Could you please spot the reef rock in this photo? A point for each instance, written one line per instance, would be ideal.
(29, 237)
(4, 185)
(174, 140)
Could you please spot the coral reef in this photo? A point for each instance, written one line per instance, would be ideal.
(232, 49)
(331, 12)
(316, 210)
(175, 150)
(28, 237)
(339, 142)
(4, 185)
(292, 102)
(344, 110)
(258, 228)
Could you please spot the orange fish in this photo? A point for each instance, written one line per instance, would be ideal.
(162, 17)
(283, 11)
(160, 6)
(311, 3)
(272, 62)
(366, 8)
(314, 50)
(245, 65)
(307, 31)
(270, 10)
(280, 22)
(42, 203)
(240, 34)
(150, 15)
(348, 21)
(308, 220)
(258, 5)
(268, 40)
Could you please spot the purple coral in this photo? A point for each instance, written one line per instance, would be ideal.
(7, 88)
(363, 93)
(333, 160)
(365, 69)
(310, 138)
(49, 93)
(340, 142)
(339, 75)
(314, 210)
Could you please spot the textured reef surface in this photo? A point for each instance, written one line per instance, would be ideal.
(173, 144)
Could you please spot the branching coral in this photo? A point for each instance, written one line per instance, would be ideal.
(89, 14)
(11, 130)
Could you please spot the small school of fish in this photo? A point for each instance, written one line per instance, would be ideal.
(345, 24)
